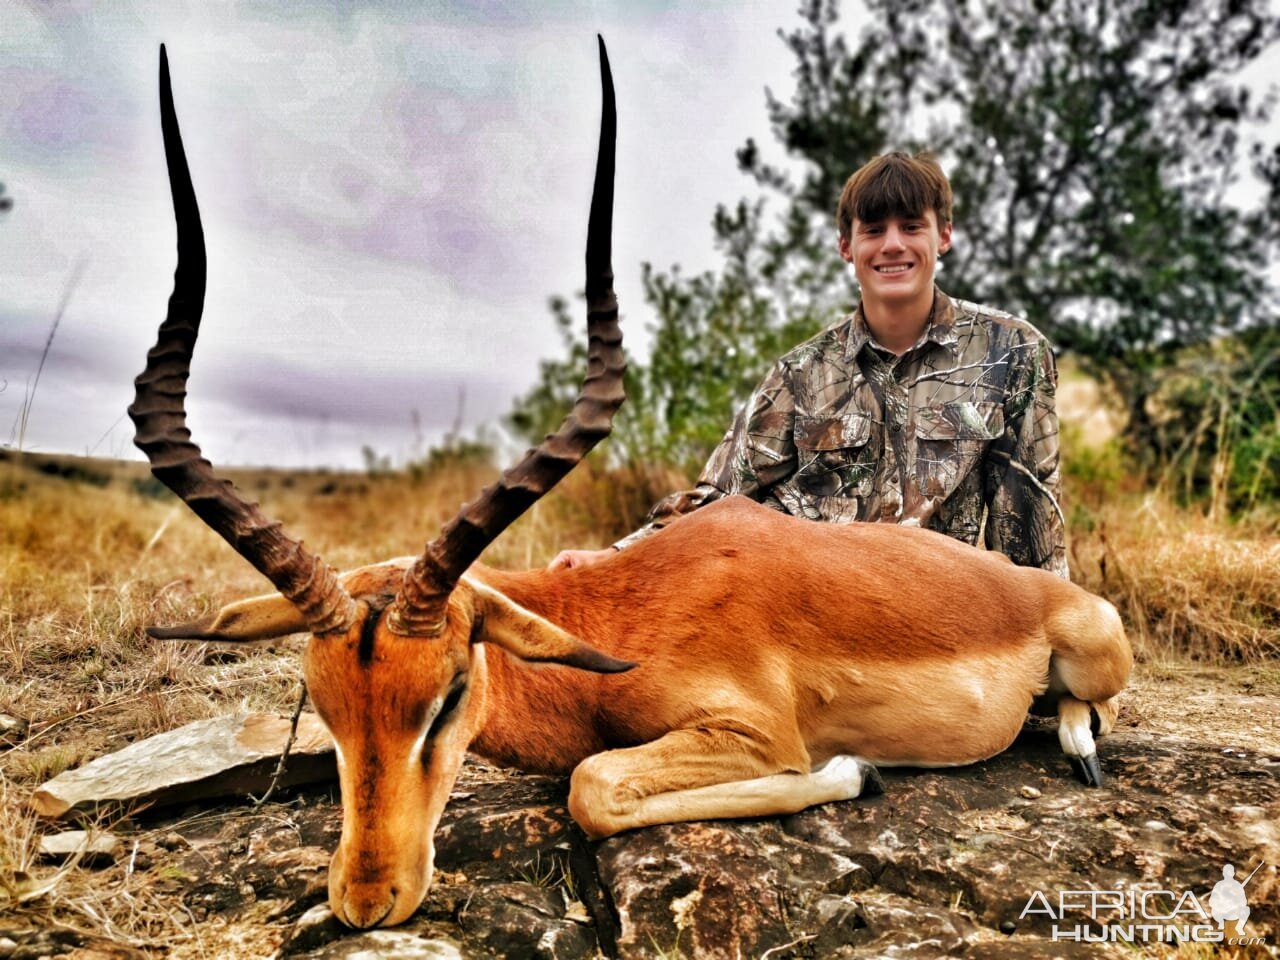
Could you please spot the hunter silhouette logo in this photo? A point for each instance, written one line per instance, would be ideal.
(1228, 902)
(1135, 915)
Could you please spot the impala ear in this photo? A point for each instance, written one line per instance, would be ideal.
(499, 620)
(258, 618)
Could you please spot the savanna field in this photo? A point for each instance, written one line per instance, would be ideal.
(91, 552)
(1116, 177)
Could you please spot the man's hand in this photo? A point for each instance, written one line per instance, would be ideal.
(572, 559)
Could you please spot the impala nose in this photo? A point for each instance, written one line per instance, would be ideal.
(367, 905)
(380, 894)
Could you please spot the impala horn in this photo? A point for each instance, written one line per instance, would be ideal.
(419, 608)
(159, 416)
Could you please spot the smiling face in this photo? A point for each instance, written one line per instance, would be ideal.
(894, 220)
(894, 259)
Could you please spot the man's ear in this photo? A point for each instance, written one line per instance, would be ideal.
(258, 618)
(499, 620)
(944, 237)
(846, 249)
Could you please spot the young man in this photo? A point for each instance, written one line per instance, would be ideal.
(915, 409)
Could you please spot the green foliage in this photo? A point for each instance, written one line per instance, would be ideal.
(149, 488)
(1217, 422)
(1092, 472)
(1090, 146)
(455, 452)
(715, 334)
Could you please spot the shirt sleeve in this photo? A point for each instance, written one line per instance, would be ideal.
(757, 452)
(1024, 518)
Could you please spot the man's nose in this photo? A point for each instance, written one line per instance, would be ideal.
(893, 238)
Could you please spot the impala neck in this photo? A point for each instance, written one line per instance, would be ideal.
(538, 717)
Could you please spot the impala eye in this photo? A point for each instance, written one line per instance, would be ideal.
(450, 704)
(445, 714)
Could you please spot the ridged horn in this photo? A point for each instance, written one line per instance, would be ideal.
(419, 607)
(159, 416)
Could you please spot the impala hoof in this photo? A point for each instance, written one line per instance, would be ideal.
(1088, 770)
(853, 776)
(872, 782)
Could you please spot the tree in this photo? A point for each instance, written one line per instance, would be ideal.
(1219, 422)
(712, 331)
(1091, 146)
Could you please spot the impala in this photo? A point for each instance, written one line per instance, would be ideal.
(721, 668)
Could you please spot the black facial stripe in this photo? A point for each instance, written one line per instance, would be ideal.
(368, 629)
(451, 701)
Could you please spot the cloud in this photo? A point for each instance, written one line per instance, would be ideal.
(389, 195)
(361, 395)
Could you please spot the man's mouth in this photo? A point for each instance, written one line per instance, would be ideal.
(891, 268)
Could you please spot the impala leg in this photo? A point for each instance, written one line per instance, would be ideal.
(1076, 729)
(705, 774)
(1090, 665)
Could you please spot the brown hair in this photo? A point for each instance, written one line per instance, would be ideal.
(894, 185)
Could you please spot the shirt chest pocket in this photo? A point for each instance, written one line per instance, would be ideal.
(836, 456)
(952, 439)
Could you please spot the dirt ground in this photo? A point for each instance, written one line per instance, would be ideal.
(942, 864)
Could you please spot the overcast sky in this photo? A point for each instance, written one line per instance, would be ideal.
(390, 192)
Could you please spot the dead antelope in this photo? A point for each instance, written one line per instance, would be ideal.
(717, 669)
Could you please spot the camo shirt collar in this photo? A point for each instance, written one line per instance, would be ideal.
(941, 328)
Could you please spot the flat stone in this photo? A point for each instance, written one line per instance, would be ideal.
(941, 865)
(95, 848)
(384, 945)
(715, 889)
(225, 756)
(313, 930)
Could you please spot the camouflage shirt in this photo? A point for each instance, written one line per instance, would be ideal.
(958, 434)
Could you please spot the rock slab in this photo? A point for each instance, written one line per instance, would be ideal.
(89, 847)
(225, 756)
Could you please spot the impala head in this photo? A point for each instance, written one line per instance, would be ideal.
(395, 665)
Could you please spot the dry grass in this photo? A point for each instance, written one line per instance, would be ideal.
(1188, 585)
(90, 555)
(88, 558)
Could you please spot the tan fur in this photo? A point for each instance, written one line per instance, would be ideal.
(765, 646)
